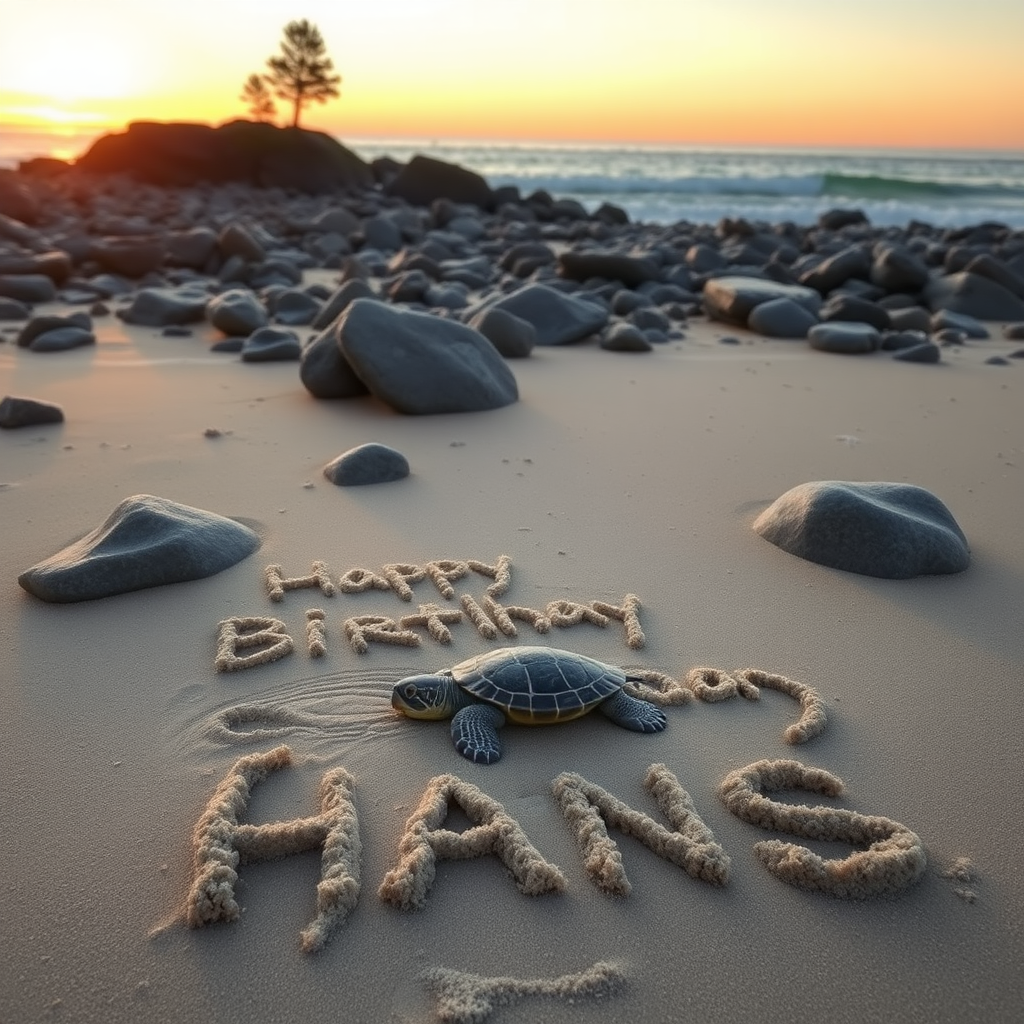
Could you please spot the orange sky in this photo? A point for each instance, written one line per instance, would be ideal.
(790, 72)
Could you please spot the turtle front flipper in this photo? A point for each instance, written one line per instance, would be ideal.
(633, 714)
(475, 733)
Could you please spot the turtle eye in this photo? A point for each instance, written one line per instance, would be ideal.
(409, 691)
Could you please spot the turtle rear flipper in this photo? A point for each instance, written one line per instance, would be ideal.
(475, 733)
(633, 714)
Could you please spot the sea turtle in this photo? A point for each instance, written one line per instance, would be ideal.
(529, 685)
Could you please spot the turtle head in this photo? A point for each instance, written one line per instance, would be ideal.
(429, 696)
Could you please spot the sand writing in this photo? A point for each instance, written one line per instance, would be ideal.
(220, 843)
(470, 998)
(244, 642)
(893, 860)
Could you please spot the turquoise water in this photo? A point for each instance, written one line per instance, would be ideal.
(665, 184)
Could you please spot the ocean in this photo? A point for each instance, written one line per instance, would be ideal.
(664, 184)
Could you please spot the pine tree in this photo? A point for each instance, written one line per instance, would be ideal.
(256, 96)
(302, 73)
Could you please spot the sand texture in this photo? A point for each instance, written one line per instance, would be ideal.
(211, 811)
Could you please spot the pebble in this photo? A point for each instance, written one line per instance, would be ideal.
(271, 344)
(162, 307)
(147, 541)
(623, 337)
(781, 318)
(367, 464)
(28, 287)
(844, 338)
(927, 352)
(970, 327)
(512, 336)
(888, 530)
(236, 311)
(28, 412)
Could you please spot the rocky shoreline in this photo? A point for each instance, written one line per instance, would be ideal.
(441, 279)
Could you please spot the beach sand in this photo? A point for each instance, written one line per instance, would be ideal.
(613, 475)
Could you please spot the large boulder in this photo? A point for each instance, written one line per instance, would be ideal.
(183, 154)
(424, 179)
(558, 318)
(420, 364)
(145, 542)
(891, 530)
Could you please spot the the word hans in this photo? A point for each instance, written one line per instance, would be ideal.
(894, 857)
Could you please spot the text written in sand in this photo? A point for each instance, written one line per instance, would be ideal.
(246, 641)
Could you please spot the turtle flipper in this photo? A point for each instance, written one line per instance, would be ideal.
(631, 713)
(475, 733)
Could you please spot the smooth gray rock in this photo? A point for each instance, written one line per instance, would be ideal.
(353, 289)
(28, 287)
(844, 338)
(632, 271)
(996, 270)
(161, 307)
(129, 255)
(368, 464)
(852, 261)
(27, 412)
(324, 370)
(236, 239)
(851, 308)
(897, 341)
(295, 308)
(910, 318)
(145, 542)
(623, 337)
(1013, 332)
(896, 269)
(781, 318)
(271, 345)
(191, 248)
(891, 530)
(236, 311)
(558, 318)
(732, 298)
(14, 309)
(970, 326)
(424, 179)
(61, 339)
(421, 364)
(381, 232)
(512, 336)
(975, 295)
(926, 352)
(48, 322)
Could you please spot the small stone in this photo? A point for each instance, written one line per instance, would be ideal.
(927, 352)
(558, 318)
(888, 530)
(968, 325)
(853, 309)
(844, 338)
(781, 318)
(623, 337)
(512, 336)
(28, 287)
(176, 332)
(236, 311)
(367, 464)
(295, 308)
(236, 239)
(162, 307)
(997, 361)
(61, 339)
(14, 309)
(271, 344)
(146, 541)
(27, 412)
(129, 255)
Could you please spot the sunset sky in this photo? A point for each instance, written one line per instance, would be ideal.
(904, 73)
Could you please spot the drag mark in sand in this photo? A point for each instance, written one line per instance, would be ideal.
(894, 858)
(589, 809)
(471, 998)
(494, 833)
(220, 844)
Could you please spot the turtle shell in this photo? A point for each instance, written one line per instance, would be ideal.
(538, 685)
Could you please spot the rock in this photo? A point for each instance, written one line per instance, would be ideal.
(896, 269)
(27, 412)
(975, 295)
(623, 337)
(381, 232)
(334, 220)
(959, 322)
(270, 345)
(368, 464)
(409, 286)
(997, 361)
(56, 265)
(650, 319)
(161, 307)
(28, 287)
(192, 248)
(949, 336)
(632, 271)
(128, 255)
(844, 338)
(731, 299)
(61, 339)
(512, 336)
(425, 179)
(181, 154)
(1013, 332)
(926, 352)
(41, 324)
(324, 370)
(702, 259)
(896, 341)
(14, 309)
(236, 311)
(855, 310)
(235, 239)
(836, 270)
(836, 219)
(17, 199)
(353, 289)
(894, 531)
(421, 364)
(558, 319)
(295, 307)
(781, 318)
(910, 318)
(996, 270)
(145, 542)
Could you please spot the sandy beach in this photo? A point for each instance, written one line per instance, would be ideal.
(613, 474)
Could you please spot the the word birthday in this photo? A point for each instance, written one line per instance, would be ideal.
(893, 857)
(246, 641)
